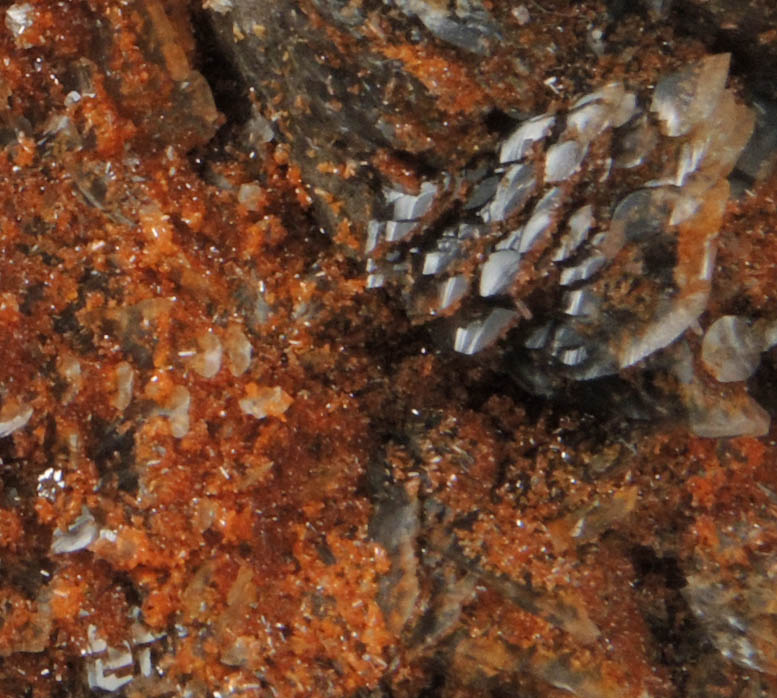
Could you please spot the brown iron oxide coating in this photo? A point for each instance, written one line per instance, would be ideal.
(230, 462)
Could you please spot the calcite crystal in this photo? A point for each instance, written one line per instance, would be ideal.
(665, 229)
(364, 349)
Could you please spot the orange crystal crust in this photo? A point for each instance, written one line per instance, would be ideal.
(202, 400)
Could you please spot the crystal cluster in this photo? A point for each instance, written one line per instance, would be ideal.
(584, 290)
(230, 468)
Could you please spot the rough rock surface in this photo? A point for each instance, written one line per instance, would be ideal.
(230, 468)
(582, 232)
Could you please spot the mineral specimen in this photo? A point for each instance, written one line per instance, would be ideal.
(664, 230)
(501, 224)
(257, 430)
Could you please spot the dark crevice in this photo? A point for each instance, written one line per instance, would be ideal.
(753, 59)
(112, 449)
(646, 562)
(499, 123)
(230, 91)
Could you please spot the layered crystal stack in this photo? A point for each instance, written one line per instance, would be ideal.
(519, 224)
(588, 242)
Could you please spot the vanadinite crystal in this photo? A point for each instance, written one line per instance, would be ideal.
(388, 348)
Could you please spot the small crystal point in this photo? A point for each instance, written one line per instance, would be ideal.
(685, 98)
